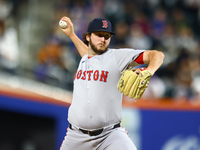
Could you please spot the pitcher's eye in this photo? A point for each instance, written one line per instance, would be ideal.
(106, 36)
(99, 35)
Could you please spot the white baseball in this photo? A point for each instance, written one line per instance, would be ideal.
(62, 24)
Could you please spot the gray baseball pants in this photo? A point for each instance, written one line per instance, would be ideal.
(109, 139)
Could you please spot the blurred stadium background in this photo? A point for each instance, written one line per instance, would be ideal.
(38, 63)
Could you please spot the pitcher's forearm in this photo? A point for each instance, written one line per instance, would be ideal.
(81, 47)
(155, 60)
(69, 31)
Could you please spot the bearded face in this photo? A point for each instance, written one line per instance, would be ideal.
(96, 48)
(99, 42)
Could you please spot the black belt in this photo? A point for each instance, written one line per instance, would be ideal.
(95, 132)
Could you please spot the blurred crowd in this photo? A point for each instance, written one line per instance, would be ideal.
(170, 26)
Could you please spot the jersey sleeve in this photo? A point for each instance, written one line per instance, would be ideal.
(139, 59)
(125, 56)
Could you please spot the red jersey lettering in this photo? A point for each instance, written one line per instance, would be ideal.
(104, 75)
(89, 74)
(84, 75)
(96, 75)
(79, 74)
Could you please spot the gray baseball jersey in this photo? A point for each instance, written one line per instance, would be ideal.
(96, 101)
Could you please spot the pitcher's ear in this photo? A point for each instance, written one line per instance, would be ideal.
(88, 37)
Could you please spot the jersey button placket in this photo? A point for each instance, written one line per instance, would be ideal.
(87, 79)
(88, 87)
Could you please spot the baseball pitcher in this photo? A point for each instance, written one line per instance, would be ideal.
(101, 80)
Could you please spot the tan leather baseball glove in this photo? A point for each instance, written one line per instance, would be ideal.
(133, 82)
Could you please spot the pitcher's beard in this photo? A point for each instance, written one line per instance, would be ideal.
(96, 50)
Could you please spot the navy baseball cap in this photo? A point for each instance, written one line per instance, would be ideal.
(100, 24)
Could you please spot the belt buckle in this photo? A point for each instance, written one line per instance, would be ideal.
(89, 133)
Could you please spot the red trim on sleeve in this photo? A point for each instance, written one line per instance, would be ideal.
(139, 59)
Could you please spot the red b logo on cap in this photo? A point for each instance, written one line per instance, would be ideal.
(105, 24)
